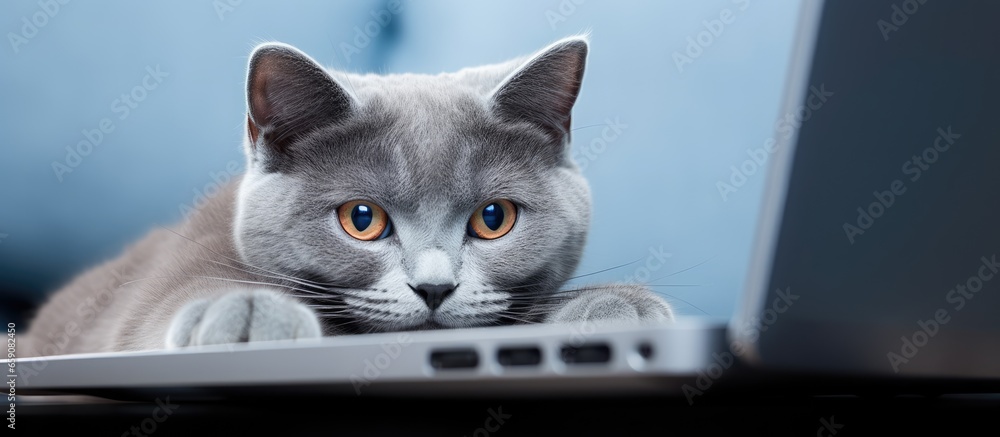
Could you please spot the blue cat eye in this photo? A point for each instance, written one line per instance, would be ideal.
(361, 216)
(364, 220)
(492, 220)
(493, 216)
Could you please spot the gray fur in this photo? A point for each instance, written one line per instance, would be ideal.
(240, 316)
(613, 302)
(427, 149)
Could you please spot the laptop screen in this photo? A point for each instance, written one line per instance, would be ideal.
(887, 254)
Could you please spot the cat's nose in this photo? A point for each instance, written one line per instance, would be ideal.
(433, 294)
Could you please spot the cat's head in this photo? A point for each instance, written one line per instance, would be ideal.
(425, 201)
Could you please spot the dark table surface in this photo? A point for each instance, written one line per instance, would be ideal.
(741, 413)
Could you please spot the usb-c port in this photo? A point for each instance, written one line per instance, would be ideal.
(588, 353)
(519, 356)
(454, 359)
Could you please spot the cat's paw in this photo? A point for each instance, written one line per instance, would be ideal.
(242, 316)
(614, 302)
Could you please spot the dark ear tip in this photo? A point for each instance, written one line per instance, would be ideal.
(271, 49)
(274, 46)
(578, 44)
(269, 58)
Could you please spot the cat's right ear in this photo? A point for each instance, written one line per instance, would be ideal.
(288, 96)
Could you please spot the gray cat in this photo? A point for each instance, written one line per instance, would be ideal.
(370, 203)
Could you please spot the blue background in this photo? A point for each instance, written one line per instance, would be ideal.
(654, 186)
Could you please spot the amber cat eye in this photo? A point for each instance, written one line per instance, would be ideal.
(493, 220)
(364, 220)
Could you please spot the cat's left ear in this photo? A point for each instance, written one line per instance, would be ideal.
(543, 90)
(288, 96)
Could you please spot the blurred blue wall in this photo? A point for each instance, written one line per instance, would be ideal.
(680, 125)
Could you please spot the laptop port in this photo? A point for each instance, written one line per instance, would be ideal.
(454, 359)
(645, 350)
(519, 356)
(588, 353)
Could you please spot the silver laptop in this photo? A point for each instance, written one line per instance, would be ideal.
(875, 256)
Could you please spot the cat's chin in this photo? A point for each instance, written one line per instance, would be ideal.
(428, 325)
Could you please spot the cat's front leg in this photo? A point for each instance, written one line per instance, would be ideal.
(241, 316)
(613, 302)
